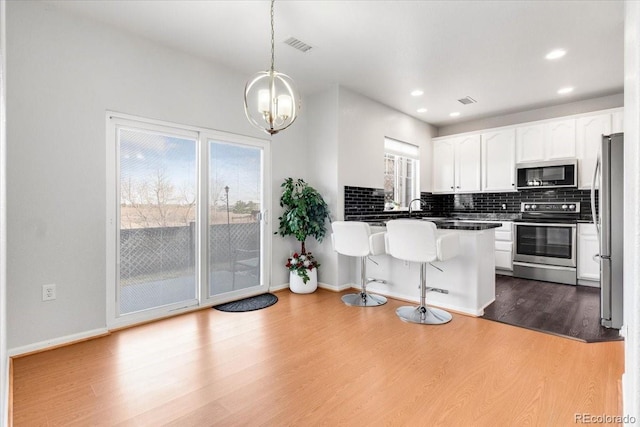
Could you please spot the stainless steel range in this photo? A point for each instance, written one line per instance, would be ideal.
(545, 242)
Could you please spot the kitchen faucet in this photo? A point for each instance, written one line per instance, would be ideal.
(411, 203)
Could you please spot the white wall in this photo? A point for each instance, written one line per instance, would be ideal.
(631, 378)
(568, 109)
(4, 360)
(65, 72)
(322, 164)
(362, 125)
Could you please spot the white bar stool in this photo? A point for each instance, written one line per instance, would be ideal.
(354, 238)
(418, 241)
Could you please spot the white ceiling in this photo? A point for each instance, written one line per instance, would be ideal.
(492, 51)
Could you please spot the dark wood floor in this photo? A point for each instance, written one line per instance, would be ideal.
(570, 311)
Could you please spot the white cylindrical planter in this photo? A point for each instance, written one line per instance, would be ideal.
(297, 286)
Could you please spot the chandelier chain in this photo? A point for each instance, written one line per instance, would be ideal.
(273, 55)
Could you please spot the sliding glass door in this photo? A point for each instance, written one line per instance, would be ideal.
(235, 213)
(189, 220)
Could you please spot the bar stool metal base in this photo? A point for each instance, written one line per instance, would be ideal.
(363, 299)
(423, 315)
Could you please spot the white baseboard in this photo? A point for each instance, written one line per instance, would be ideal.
(589, 283)
(277, 288)
(56, 342)
(333, 288)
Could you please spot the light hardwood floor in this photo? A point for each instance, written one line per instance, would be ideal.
(310, 360)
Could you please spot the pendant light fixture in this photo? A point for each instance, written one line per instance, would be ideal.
(270, 98)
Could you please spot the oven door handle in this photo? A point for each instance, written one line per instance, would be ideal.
(545, 224)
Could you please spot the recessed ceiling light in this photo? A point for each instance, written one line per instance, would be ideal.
(555, 54)
(565, 90)
(454, 114)
(421, 110)
(417, 92)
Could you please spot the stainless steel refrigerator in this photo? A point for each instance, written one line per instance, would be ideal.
(608, 217)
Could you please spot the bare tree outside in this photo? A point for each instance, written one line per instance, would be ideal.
(156, 202)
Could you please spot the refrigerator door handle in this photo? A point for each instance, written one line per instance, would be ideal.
(593, 198)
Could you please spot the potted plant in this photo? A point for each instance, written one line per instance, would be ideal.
(305, 214)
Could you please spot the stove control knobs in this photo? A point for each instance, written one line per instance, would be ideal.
(572, 207)
(564, 206)
(533, 206)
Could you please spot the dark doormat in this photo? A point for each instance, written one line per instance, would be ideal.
(248, 304)
(562, 310)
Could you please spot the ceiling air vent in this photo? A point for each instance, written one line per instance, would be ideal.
(467, 100)
(297, 44)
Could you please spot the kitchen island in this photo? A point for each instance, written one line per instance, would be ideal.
(469, 277)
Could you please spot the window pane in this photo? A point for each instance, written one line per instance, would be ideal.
(389, 181)
(235, 200)
(157, 220)
(400, 181)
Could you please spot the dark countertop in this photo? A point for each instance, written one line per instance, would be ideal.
(381, 217)
(465, 225)
(453, 217)
(447, 224)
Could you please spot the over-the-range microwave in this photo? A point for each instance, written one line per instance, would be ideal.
(548, 174)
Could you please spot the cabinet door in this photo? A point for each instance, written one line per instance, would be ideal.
(588, 267)
(530, 143)
(443, 165)
(498, 160)
(468, 163)
(560, 141)
(618, 122)
(504, 260)
(589, 131)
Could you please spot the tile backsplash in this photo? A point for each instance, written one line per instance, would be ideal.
(367, 203)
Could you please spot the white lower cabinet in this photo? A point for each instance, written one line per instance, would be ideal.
(588, 263)
(504, 247)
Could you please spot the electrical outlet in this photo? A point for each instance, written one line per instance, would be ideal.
(48, 292)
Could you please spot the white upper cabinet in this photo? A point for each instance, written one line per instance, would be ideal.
(618, 122)
(456, 164)
(468, 163)
(498, 160)
(530, 143)
(485, 160)
(546, 141)
(561, 140)
(443, 165)
(589, 134)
